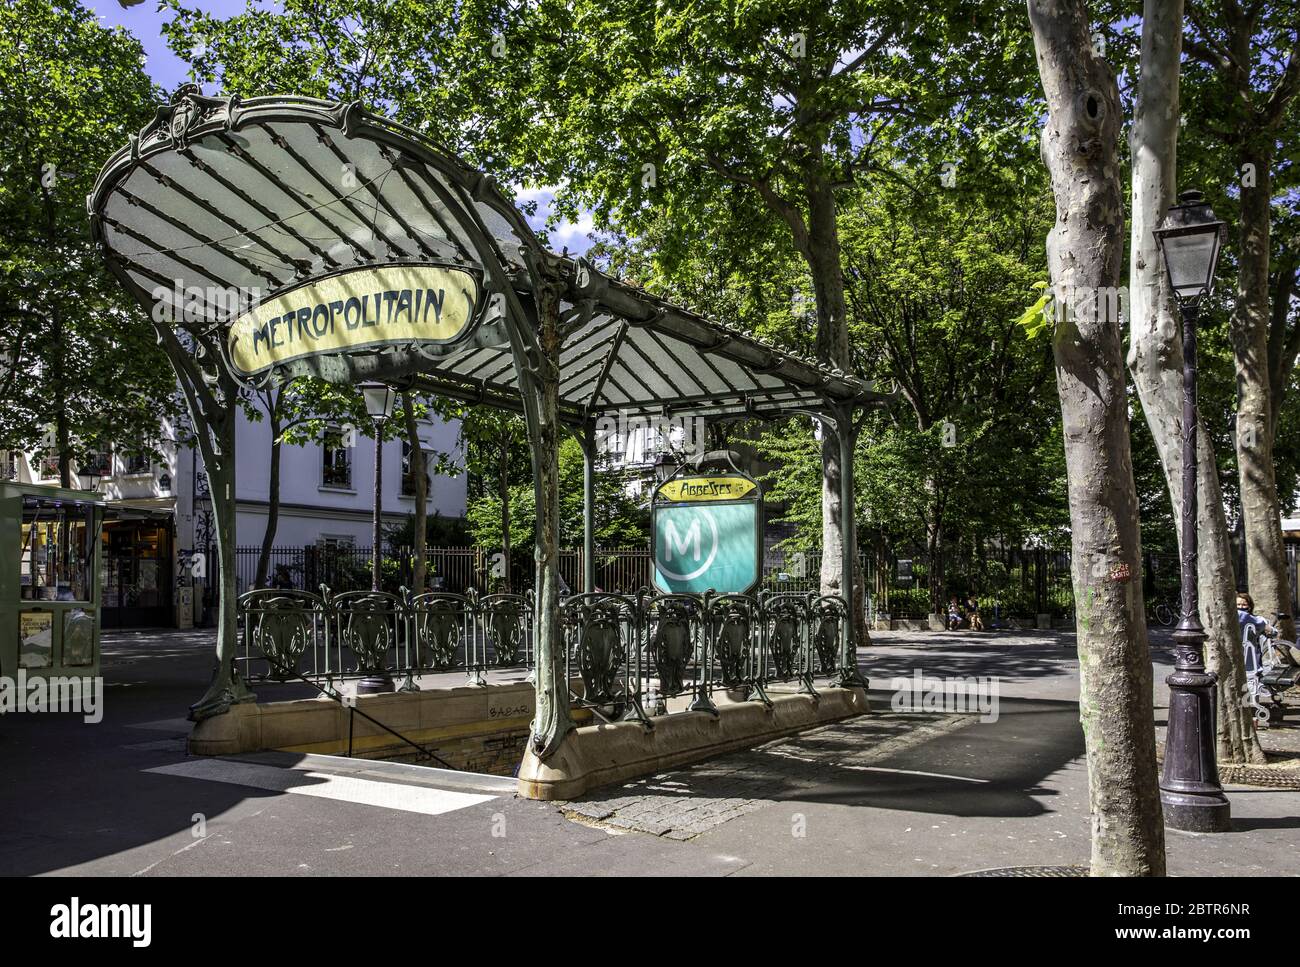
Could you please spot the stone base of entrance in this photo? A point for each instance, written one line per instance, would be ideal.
(597, 755)
(476, 728)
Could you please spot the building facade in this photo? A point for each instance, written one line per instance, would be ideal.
(157, 517)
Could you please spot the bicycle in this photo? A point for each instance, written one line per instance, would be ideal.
(1163, 613)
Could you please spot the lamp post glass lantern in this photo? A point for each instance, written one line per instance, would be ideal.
(1190, 239)
(380, 398)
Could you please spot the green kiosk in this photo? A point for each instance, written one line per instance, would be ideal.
(49, 580)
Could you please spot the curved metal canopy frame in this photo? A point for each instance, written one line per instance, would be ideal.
(257, 197)
(221, 204)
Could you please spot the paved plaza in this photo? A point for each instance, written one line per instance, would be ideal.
(928, 792)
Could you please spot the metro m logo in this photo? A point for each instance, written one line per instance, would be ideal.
(672, 540)
(687, 542)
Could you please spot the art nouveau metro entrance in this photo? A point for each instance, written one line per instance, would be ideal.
(277, 237)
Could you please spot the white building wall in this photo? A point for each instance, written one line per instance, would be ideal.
(309, 510)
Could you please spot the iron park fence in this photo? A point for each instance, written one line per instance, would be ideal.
(1007, 582)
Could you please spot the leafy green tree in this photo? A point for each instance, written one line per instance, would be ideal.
(493, 441)
(935, 282)
(1243, 90)
(620, 519)
(300, 412)
(762, 113)
(79, 367)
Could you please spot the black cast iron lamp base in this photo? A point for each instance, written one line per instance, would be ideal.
(1189, 237)
(1190, 793)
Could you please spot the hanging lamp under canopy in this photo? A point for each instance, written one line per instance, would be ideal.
(309, 237)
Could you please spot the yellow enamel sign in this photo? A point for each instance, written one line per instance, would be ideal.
(356, 309)
(705, 488)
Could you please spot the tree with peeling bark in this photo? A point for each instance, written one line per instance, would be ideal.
(1244, 59)
(1080, 147)
(1155, 362)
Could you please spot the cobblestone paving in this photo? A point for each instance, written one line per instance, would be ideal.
(683, 803)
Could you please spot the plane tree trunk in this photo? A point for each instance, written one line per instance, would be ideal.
(1085, 252)
(1155, 362)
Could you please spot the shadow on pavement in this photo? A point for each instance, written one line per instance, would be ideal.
(914, 762)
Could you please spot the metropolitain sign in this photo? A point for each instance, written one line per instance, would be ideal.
(359, 309)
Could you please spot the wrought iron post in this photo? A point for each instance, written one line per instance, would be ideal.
(588, 441)
(1190, 792)
(846, 431)
(535, 346)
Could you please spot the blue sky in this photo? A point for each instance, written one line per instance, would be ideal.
(145, 22)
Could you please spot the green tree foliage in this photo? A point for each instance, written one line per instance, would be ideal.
(1234, 97)
(621, 520)
(79, 369)
(972, 453)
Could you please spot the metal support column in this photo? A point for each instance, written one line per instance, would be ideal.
(588, 440)
(846, 432)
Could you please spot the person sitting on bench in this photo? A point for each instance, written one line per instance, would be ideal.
(954, 620)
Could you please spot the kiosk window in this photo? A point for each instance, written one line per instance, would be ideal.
(57, 551)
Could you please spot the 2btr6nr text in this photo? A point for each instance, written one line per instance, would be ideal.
(1184, 909)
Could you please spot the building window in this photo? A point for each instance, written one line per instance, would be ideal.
(336, 459)
(100, 463)
(8, 465)
(136, 463)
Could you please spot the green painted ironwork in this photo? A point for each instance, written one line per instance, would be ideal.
(439, 622)
(280, 626)
(675, 621)
(532, 301)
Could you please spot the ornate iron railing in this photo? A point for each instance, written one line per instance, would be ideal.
(635, 657)
(326, 637)
(627, 656)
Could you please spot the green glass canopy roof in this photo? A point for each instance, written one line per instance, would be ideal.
(220, 203)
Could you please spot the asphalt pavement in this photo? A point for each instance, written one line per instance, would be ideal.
(910, 789)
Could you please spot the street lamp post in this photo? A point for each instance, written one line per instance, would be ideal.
(88, 477)
(1190, 238)
(379, 407)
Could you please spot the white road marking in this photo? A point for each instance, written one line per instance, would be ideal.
(324, 785)
(909, 772)
(178, 852)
